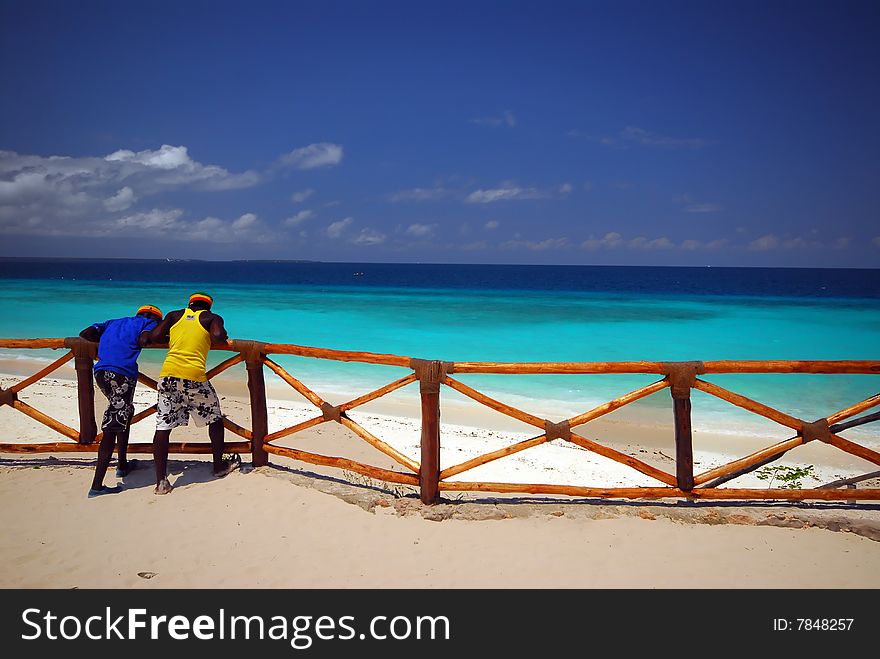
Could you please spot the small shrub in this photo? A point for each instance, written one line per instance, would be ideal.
(789, 477)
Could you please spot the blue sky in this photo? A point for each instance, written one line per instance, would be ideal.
(658, 133)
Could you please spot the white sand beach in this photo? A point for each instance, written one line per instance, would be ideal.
(293, 524)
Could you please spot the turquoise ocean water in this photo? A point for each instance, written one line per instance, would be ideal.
(471, 315)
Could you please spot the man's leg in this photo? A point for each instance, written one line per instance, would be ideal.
(160, 457)
(122, 466)
(122, 452)
(105, 452)
(111, 427)
(216, 433)
(205, 405)
(169, 414)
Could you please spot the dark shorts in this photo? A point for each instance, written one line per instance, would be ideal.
(119, 390)
(181, 399)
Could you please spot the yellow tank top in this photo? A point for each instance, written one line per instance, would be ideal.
(188, 347)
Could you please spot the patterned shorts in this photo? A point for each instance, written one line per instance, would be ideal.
(179, 399)
(119, 390)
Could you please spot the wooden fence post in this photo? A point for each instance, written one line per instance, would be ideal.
(252, 353)
(84, 353)
(429, 373)
(682, 376)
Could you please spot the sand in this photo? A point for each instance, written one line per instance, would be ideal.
(293, 525)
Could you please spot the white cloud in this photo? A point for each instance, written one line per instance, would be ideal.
(609, 240)
(313, 156)
(646, 138)
(244, 222)
(634, 136)
(644, 243)
(692, 245)
(299, 218)
(335, 229)
(420, 230)
(160, 223)
(491, 225)
(245, 228)
(506, 118)
(59, 195)
(614, 240)
(155, 220)
(123, 199)
(301, 196)
(771, 241)
(565, 188)
(369, 237)
(801, 243)
(703, 208)
(506, 192)
(549, 243)
(764, 243)
(172, 165)
(419, 194)
(167, 157)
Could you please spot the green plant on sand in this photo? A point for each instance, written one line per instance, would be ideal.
(788, 477)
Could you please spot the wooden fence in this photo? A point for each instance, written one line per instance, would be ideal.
(679, 377)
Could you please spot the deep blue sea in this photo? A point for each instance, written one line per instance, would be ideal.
(494, 313)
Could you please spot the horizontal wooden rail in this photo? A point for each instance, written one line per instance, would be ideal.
(32, 343)
(850, 366)
(336, 355)
(198, 448)
(663, 492)
(841, 366)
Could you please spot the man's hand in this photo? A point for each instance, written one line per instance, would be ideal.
(159, 333)
(91, 333)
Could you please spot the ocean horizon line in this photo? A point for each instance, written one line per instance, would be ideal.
(136, 259)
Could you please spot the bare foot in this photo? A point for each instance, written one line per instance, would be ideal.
(164, 487)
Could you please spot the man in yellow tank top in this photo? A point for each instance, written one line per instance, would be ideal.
(184, 389)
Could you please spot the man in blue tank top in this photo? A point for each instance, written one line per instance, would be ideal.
(119, 345)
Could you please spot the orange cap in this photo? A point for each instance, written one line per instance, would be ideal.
(149, 308)
(201, 297)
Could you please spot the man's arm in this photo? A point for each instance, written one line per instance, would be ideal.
(218, 331)
(93, 332)
(144, 337)
(159, 334)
